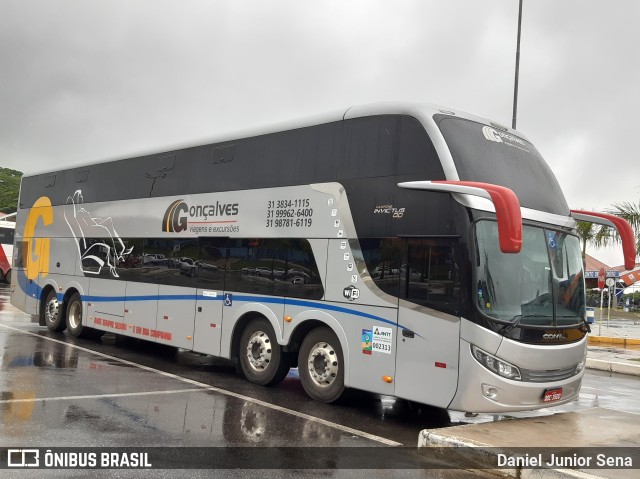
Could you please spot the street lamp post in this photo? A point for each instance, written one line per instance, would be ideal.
(515, 87)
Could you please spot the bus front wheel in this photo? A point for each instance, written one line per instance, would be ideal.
(321, 365)
(51, 311)
(261, 357)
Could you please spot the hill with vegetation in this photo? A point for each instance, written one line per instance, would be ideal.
(9, 189)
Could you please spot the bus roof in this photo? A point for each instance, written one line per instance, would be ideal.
(422, 111)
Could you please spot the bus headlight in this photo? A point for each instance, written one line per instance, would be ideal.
(493, 364)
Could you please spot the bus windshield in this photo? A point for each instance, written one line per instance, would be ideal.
(542, 285)
(486, 154)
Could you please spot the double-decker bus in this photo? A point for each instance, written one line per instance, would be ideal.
(401, 249)
(7, 230)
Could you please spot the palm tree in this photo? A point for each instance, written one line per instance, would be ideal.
(628, 211)
(587, 233)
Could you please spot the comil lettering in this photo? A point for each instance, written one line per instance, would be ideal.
(553, 336)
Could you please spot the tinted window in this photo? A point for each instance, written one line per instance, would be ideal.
(171, 261)
(18, 253)
(423, 271)
(298, 276)
(300, 156)
(371, 147)
(6, 235)
(274, 267)
(160, 261)
(212, 256)
(280, 267)
(104, 257)
(382, 256)
(431, 276)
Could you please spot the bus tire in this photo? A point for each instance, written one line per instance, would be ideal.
(74, 317)
(53, 317)
(321, 365)
(261, 358)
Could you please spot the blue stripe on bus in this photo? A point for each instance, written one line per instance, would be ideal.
(34, 290)
(239, 298)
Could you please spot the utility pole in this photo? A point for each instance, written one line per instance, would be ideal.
(515, 88)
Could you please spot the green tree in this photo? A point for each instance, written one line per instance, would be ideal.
(587, 233)
(9, 189)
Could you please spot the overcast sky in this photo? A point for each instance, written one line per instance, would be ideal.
(84, 81)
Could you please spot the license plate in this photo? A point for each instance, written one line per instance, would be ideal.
(551, 395)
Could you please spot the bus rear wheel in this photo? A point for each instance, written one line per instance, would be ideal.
(74, 317)
(261, 357)
(51, 311)
(321, 365)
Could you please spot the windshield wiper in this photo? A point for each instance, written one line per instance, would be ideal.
(516, 321)
(508, 327)
(585, 323)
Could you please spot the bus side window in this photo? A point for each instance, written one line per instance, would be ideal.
(211, 262)
(431, 276)
(297, 276)
(382, 257)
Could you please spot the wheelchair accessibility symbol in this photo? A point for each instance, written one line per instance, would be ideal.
(228, 299)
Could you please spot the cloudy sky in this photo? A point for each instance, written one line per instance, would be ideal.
(85, 81)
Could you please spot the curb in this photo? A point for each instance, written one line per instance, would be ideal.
(624, 367)
(617, 341)
(613, 367)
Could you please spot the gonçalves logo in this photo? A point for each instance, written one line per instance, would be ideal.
(501, 137)
(176, 218)
(491, 134)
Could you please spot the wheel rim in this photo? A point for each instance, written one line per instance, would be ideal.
(74, 315)
(323, 364)
(259, 351)
(51, 310)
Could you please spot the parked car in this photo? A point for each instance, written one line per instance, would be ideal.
(263, 272)
(150, 259)
(188, 266)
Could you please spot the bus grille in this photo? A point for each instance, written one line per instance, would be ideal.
(551, 375)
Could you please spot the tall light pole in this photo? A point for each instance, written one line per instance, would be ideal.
(515, 88)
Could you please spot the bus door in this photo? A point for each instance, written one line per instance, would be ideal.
(171, 264)
(210, 269)
(428, 321)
